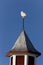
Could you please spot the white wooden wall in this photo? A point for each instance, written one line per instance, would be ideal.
(25, 59)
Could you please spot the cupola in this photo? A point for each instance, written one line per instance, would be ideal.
(23, 52)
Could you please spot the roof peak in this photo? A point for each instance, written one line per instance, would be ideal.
(20, 42)
(23, 43)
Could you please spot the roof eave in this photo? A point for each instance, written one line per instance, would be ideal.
(12, 52)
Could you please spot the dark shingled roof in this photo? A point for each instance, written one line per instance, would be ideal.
(23, 43)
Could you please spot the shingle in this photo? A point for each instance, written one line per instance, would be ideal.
(23, 43)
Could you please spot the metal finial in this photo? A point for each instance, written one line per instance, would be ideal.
(23, 15)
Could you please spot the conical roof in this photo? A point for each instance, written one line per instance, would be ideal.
(23, 43)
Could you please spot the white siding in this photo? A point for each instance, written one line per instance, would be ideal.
(25, 60)
(14, 59)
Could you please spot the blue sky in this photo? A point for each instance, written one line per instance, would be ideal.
(11, 25)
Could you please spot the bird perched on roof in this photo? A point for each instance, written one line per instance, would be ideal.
(23, 14)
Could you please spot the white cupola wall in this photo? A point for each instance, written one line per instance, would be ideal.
(13, 59)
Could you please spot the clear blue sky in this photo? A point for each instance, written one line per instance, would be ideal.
(11, 25)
